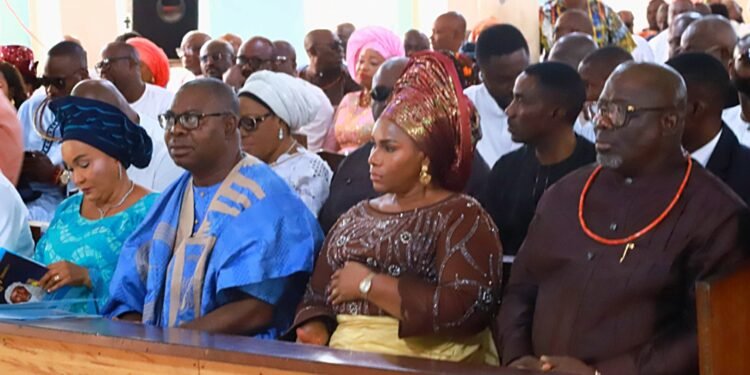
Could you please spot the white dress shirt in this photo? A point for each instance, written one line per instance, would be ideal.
(496, 139)
(741, 128)
(15, 234)
(660, 46)
(703, 154)
(154, 101)
(161, 171)
(642, 51)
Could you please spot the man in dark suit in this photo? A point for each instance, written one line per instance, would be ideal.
(708, 139)
(351, 183)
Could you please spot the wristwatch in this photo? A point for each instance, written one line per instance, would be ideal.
(366, 284)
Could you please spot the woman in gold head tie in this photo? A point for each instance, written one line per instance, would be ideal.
(416, 271)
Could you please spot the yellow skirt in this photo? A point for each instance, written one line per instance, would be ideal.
(379, 334)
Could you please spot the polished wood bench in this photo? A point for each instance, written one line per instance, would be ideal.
(723, 307)
(99, 346)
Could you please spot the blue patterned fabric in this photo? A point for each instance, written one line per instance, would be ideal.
(259, 239)
(105, 127)
(93, 244)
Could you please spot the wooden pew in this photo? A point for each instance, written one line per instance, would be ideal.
(99, 346)
(723, 307)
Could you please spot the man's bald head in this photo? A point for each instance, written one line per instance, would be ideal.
(284, 58)
(255, 55)
(190, 49)
(448, 32)
(713, 35)
(573, 21)
(678, 7)
(651, 13)
(105, 91)
(383, 81)
(702, 9)
(572, 49)
(415, 41)
(344, 31)
(597, 66)
(214, 91)
(679, 25)
(324, 49)
(120, 65)
(234, 40)
(217, 56)
(650, 140)
(627, 18)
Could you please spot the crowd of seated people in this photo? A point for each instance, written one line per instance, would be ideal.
(523, 221)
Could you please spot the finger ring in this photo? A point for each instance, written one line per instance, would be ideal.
(56, 278)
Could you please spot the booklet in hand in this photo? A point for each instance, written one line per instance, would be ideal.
(19, 280)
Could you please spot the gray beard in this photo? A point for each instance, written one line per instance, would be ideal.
(609, 161)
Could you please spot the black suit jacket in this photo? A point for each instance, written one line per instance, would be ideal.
(730, 161)
(351, 184)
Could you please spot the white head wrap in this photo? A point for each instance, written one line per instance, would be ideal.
(287, 97)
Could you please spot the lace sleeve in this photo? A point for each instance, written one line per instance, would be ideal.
(309, 176)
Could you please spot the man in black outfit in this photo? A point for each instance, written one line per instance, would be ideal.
(708, 139)
(547, 99)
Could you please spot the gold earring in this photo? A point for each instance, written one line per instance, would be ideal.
(424, 175)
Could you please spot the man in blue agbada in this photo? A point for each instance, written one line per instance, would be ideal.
(228, 247)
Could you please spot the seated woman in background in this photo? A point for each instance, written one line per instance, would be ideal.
(272, 107)
(414, 272)
(82, 245)
(12, 85)
(366, 50)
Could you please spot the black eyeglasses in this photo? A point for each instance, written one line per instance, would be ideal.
(618, 114)
(188, 120)
(187, 51)
(253, 62)
(105, 63)
(250, 124)
(215, 57)
(380, 93)
(57, 82)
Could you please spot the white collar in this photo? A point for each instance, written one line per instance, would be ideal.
(703, 154)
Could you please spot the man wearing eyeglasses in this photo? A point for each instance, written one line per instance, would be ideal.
(189, 51)
(326, 69)
(604, 282)
(255, 54)
(42, 184)
(217, 56)
(121, 65)
(285, 61)
(230, 246)
(594, 70)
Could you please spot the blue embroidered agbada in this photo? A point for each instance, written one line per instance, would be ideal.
(255, 238)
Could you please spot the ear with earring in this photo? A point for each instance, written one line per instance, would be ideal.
(281, 133)
(424, 174)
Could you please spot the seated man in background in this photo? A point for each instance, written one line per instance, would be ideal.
(229, 246)
(217, 56)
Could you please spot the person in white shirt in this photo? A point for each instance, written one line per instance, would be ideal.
(678, 28)
(121, 65)
(709, 141)
(738, 117)
(285, 61)
(161, 171)
(15, 234)
(502, 54)
(272, 107)
(40, 182)
(594, 71)
(660, 43)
